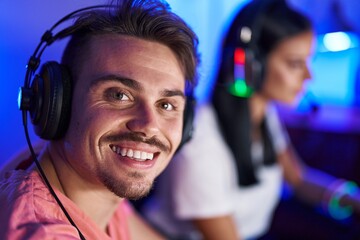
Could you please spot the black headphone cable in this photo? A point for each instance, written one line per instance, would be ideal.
(24, 116)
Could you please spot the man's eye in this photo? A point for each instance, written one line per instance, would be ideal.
(167, 106)
(120, 96)
(117, 95)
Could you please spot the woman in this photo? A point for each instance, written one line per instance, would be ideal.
(226, 183)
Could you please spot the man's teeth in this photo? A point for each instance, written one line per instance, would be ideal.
(135, 154)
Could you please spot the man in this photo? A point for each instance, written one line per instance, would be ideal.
(130, 69)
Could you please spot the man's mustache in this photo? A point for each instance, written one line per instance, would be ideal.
(129, 136)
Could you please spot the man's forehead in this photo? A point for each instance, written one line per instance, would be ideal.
(143, 52)
(143, 61)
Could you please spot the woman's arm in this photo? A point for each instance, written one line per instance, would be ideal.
(317, 187)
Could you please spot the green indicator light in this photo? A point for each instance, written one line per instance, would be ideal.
(240, 89)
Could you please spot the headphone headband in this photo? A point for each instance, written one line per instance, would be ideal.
(48, 38)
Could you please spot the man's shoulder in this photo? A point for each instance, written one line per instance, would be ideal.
(23, 193)
(28, 209)
(20, 185)
(21, 159)
(14, 180)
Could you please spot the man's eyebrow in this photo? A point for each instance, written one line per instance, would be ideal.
(116, 78)
(172, 93)
(134, 85)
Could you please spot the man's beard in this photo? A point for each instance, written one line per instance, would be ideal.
(132, 186)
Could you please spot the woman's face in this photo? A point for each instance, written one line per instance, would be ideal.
(287, 68)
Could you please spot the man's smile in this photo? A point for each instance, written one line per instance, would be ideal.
(131, 153)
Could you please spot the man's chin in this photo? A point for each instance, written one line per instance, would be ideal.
(133, 190)
(137, 191)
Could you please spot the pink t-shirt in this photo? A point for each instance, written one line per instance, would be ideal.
(29, 211)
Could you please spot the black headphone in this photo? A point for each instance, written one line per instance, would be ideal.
(188, 122)
(249, 63)
(48, 96)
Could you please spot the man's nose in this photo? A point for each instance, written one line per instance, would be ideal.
(144, 120)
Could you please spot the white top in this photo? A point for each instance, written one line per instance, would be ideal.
(201, 182)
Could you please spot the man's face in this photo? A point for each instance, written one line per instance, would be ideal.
(127, 114)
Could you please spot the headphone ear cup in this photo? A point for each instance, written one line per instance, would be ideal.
(253, 70)
(188, 121)
(52, 101)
